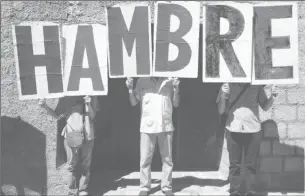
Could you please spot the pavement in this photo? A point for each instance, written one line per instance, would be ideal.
(111, 183)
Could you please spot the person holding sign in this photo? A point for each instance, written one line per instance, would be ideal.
(158, 96)
(79, 114)
(239, 104)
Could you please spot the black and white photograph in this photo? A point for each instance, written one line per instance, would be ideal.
(152, 98)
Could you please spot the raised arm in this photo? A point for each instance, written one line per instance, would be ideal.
(176, 95)
(49, 110)
(133, 97)
(265, 102)
(222, 98)
(89, 102)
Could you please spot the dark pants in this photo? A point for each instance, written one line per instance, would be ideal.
(80, 157)
(239, 144)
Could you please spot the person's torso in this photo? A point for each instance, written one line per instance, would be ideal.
(76, 122)
(243, 117)
(156, 105)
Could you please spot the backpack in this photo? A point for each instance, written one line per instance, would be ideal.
(75, 138)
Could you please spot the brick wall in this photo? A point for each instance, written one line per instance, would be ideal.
(282, 151)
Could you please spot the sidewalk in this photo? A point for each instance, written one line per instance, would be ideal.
(184, 183)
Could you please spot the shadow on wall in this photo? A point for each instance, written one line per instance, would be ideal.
(281, 166)
(23, 160)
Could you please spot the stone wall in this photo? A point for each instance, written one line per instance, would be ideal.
(29, 135)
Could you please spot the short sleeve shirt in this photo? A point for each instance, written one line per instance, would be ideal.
(156, 104)
(243, 117)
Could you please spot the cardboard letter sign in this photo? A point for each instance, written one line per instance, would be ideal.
(38, 62)
(176, 39)
(129, 39)
(227, 42)
(85, 70)
(276, 43)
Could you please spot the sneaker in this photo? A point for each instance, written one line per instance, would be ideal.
(168, 193)
(83, 193)
(143, 193)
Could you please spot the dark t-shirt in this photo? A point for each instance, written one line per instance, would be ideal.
(65, 104)
(73, 107)
(243, 117)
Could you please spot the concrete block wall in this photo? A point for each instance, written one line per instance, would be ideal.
(282, 149)
(31, 169)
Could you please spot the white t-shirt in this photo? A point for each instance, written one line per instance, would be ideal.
(156, 104)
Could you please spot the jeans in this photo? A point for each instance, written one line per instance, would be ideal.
(81, 157)
(239, 144)
(148, 143)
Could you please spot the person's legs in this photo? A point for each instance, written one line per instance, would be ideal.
(72, 161)
(165, 145)
(234, 143)
(147, 148)
(252, 144)
(85, 155)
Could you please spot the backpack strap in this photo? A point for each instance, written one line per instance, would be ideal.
(224, 116)
(67, 114)
(245, 87)
(84, 116)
